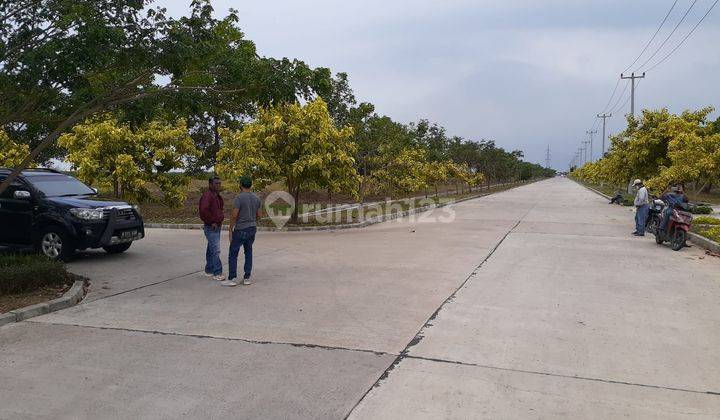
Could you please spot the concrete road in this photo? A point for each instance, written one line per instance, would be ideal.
(531, 303)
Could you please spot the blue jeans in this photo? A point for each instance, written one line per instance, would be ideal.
(213, 265)
(640, 217)
(241, 238)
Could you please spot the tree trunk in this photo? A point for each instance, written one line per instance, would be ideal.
(296, 195)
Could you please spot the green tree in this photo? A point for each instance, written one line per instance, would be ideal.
(103, 150)
(11, 153)
(298, 144)
(404, 172)
(62, 61)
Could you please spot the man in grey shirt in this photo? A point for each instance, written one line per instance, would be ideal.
(243, 226)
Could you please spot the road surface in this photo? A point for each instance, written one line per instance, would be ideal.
(532, 303)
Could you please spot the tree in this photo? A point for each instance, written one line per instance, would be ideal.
(62, 61)
(435, 173)
(11, 153)
(403, 172)
(694, 153)
(299, 144)
(129, 159)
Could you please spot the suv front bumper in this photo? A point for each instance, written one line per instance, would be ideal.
(112, 231)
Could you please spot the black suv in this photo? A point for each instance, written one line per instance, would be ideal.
(57, 214)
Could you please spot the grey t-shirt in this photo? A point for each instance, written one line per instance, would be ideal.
(248, 203)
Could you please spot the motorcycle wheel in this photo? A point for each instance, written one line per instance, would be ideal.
(659, 237)
(678, 240)
(652, 225)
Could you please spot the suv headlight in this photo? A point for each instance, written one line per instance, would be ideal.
(137, 209)
(88, 214)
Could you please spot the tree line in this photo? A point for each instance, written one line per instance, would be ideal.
(133, 95)
(663, 149)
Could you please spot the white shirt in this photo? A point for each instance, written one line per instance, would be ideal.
(641, 198)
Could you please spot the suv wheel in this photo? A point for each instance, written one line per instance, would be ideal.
(55, 243)
(117, 249)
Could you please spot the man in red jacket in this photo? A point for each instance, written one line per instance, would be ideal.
(212, 213)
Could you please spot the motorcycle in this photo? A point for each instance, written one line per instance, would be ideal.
(655, 216)
(677, 229)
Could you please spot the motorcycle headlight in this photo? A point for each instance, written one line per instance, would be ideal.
(87, 214)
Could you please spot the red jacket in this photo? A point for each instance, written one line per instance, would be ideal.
(211, 208)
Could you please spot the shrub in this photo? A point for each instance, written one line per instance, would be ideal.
(701, 210)
(706, 220)
(710, 233)
(23, 273)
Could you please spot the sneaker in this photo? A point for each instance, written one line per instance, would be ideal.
(219, 277)
(229, 283)
(247, 282)
(209, 274)
(638, 234)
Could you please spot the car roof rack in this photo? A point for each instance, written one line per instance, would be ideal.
(55, 171)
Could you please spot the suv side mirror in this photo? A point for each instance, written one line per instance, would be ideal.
(22, 195)
(94, 189)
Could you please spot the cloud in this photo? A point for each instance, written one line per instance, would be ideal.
(526, 73)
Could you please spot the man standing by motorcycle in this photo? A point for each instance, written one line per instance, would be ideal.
(673, 198)
(641, 207)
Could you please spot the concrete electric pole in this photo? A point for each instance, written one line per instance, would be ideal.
(585, 149)
(632, 78)
(604, 118)
(591, 132)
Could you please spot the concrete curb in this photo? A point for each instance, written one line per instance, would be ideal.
(70, 298)
(704, 242)
(698, 240)
(365, 223)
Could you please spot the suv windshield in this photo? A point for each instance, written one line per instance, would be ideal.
(59, 185)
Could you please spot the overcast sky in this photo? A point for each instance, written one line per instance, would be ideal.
(526, 73)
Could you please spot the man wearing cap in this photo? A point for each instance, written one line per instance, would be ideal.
(641, 207)
(243, 226)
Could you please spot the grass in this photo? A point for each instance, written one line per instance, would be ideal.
(29, 279)
(23, 273)
(706, 220)
(708, 231)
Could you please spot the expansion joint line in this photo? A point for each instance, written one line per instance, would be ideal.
(428, 323)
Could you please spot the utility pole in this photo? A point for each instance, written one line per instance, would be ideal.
(591, 132)
(604, 118)
(547, 157)
(585, 148)
(632, 78)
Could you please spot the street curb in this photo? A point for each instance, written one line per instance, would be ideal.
(70, 298)
(365, 223)
(698, 240)
(704, 242)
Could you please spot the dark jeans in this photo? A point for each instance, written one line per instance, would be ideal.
(241, 238)
(213, 265)
(666, 218)
(640, 217)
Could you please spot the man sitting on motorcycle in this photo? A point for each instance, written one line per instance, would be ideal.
(673, 198)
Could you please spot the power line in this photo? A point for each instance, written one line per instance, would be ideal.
(620, 98)
(617, 85)
(653, 37)
(687, 12)
(686, 36)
